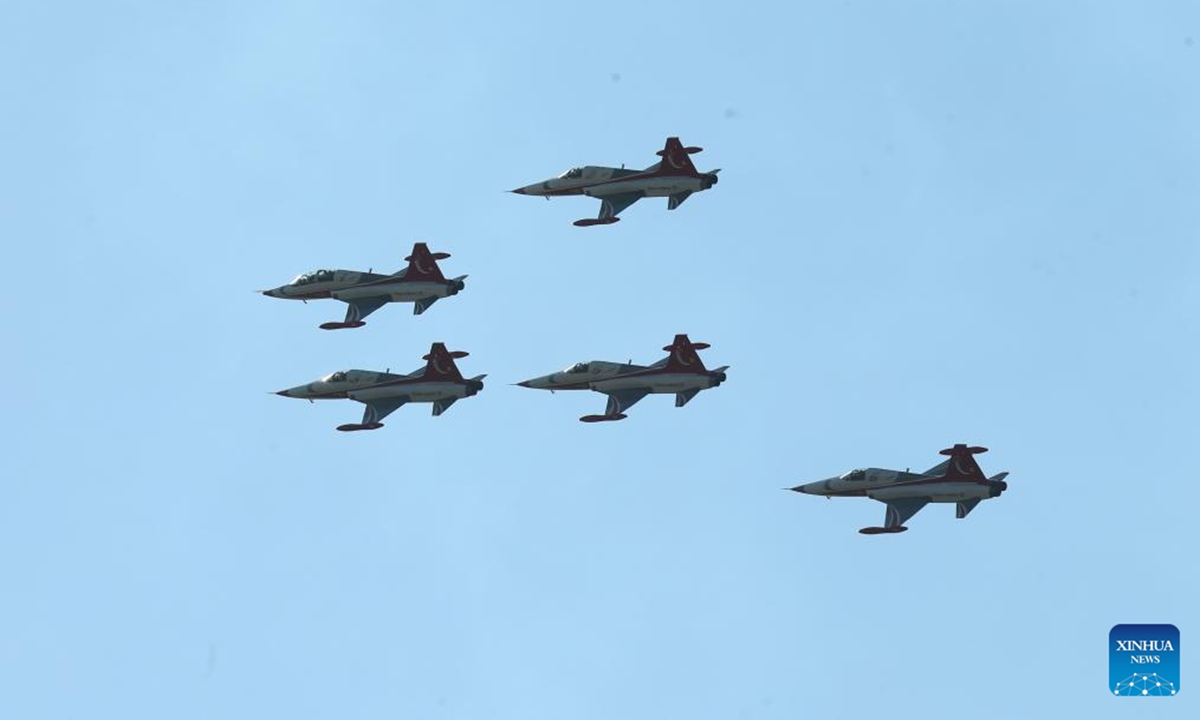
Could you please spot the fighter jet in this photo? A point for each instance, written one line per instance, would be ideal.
(957, 480)
(421, 282)
(674, 177)
(438, 382)
(681, 372)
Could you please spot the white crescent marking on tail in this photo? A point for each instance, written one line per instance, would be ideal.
(958, 465)
(418, 266)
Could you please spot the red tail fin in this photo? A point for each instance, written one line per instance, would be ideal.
(422, 264)
(675, 160)
(441, 363)
(683, 356)
(962, 464)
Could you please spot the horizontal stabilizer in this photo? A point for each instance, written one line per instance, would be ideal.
(681, 398)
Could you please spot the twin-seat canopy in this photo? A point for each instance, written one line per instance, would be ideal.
(855, 475)
(573, 174)
(338, 376)
(315, 276)
(577, 368)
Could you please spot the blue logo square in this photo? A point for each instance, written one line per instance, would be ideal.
(1143, 660)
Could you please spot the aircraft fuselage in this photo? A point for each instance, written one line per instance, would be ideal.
(884, 485)
(398, 291)
(365, 385)
(601, 182)
(655, 382)
(355, 285)
(604, 377)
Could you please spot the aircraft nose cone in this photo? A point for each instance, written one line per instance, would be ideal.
(519, 191)
(524, 383)
(799, 489)
(284, 393)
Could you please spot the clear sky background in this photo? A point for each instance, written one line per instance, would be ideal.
(937, 222)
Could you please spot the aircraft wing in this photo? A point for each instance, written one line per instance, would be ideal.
(622, 400)
(939, 469)
(375, 411)
(618, 402)
(423, 304)
(674, 201)
(356, 310)
(612, 205)
(900, 510)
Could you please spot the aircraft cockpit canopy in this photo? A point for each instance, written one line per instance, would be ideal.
(577, 368)
(315, 276)
(572, 174)
(339, 376)
(855, 475)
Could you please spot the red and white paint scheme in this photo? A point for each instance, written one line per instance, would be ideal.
(674, 177)
(421, 283)
(681, 372)
(438, 382)
(958, 480)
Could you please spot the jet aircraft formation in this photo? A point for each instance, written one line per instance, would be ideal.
(682, 372)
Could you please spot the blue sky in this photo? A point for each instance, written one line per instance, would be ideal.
(935, 224)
